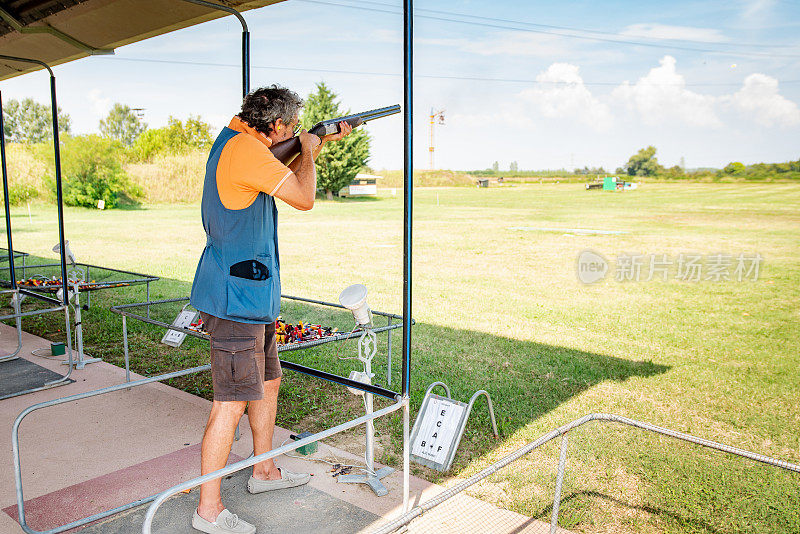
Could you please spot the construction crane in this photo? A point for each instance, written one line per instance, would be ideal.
(434, 116)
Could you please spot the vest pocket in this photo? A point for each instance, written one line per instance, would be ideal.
(251, 299)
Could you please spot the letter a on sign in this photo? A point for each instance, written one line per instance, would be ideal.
(437, 431)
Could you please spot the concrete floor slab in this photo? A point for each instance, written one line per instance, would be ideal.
(290, 511)
(83, 457)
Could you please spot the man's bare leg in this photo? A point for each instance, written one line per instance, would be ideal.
(217, 442)
(262, 423)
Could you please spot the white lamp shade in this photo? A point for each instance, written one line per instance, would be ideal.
(354, 298)
(67, 252)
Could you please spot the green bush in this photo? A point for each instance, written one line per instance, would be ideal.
(21, 193)
(91, 170)
(178, 137)
(734, 167)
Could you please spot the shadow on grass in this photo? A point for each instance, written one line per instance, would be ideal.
(690, 524)
(526, 380)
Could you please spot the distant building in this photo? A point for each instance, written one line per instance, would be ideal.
(363, 185)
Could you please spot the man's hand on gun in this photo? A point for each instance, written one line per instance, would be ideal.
(344, 130)
(310, 141)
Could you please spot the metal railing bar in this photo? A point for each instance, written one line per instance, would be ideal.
(139, 304)
(59, 381)
(62, 400)
(289, 297)
(29, 313)
(284, 348)
(151, 511)
(337, 305)
(432, 386)
(369, 388)
(40, 297)
(199, 335)
(562, 460)
(562, 430)
(143, 277)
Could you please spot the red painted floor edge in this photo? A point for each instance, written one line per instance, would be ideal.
(111, 490)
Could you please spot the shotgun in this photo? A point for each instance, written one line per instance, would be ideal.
(287, 150)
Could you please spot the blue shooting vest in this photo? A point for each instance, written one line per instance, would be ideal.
(234, 236)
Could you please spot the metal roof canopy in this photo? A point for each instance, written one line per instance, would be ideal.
(59, 31)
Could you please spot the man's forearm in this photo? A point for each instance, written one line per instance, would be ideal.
(306, 172)
(317, 150)
(295, 163)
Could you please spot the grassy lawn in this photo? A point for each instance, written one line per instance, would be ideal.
(499, 307)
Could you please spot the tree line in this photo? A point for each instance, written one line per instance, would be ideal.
(645, 164)
(93, 165)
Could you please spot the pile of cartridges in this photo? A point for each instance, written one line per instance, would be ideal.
(197, 325)
(288, 333)
(42, 283)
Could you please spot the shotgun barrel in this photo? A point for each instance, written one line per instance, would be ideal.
(287, 150)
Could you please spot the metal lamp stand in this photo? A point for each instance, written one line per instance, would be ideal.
(75, 301)
(367, 347)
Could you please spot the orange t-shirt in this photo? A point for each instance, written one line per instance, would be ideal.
(247, 167)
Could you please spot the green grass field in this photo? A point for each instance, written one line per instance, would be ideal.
(502, 309)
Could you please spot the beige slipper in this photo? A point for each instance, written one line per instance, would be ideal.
(287, 480)
(226, 523)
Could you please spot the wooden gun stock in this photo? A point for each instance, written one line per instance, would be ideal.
(286, 151)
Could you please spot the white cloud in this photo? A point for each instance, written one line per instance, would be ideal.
(759, 98)
(100, 105)
(662, 96)
(561, 93)
(518, 44)
(386, 36)
(756, 8)
(508, 43)
(663, 31)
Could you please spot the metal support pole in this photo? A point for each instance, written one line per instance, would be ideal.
(59, 195)
(562, 458)
(389, 351)
(245, 62)
(367, 347)
(82, 359)
(408, 179)
(369, 456)
(5, 197)
(408, 204)
(15, 302)
(15, 297)
(406, 454)
(125, 348)
(245, 39)
(88, 293)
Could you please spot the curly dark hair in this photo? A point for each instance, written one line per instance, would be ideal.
(262, 107)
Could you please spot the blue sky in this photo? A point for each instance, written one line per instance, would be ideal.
(549, 85)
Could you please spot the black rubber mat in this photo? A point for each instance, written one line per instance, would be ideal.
(20, 374)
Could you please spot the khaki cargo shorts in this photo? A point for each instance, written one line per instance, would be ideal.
(243, 356)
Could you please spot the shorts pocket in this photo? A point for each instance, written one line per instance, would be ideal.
(251, 299)
(235, 369)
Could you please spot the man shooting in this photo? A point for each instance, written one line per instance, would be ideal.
(237, 285)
